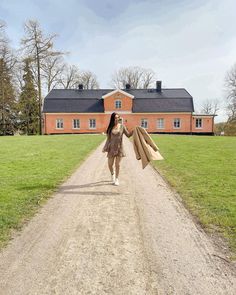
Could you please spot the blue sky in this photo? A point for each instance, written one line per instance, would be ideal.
(189, 44)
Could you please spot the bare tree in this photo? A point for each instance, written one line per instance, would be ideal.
(210, 106)
(148, 78)
(38, 47)
(137, 77)
(2, 32)
(6, 53)
(89, 80)
(52, 68)
(230, 81)
(69, 77)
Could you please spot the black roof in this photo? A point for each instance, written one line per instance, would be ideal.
(145, 100)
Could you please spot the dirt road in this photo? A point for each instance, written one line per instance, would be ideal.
(95, 238)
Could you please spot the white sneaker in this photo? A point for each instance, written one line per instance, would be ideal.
(113, 178)
(116, 182)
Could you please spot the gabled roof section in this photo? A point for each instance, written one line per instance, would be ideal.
(117, 91)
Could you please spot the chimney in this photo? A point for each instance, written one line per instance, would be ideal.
(127, 86)
(81, 86)
(158, 86)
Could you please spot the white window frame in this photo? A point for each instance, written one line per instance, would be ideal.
(59, 123)
(160, 126)
(145, 121)
(196, 124)
(118, 104)
(73, 123)
(92, 127)
(174, 121)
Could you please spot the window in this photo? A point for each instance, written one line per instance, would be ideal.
(144, 123)
(59, 123)
(199, 123)
(176, 123)
(92, 123)
(76, 123)
(160, 123)
(118, 104)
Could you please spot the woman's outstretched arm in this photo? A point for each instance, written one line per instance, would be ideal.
(127, 133)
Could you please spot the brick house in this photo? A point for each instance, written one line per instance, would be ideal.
(168, 110)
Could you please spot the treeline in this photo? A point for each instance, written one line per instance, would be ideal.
(28, 73)
(229, 127)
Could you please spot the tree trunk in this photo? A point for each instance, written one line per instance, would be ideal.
(39, 89)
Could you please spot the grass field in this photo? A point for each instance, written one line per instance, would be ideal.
(203, 170)
(31, 167)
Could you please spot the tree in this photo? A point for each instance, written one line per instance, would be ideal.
(69, 77)
(7, 93)
(28, 102)
(230, 81)
(52, 68)
(38, 47)
(89, 80)
(210, 107)
(231, 92)
(6, 52)
(137, 77)
(219, 128)
(7, 101)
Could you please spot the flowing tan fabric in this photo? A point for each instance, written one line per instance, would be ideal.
(144, 147)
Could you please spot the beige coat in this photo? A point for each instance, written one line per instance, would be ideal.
(144, 147)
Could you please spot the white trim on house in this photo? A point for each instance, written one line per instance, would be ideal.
(118, 112)
(163, 123)
(163, 113)
(110, 112)
(204, 115)
(80, 114)
(144, 121)
(62, 121)
(196, 123)
(118, 101)
(75, 128)
(174, 123)
(116, 91)
(90, 124)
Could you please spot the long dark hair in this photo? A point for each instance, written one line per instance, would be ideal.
(111, 124)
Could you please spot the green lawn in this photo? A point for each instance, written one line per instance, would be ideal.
(203, 170)
(31, 167)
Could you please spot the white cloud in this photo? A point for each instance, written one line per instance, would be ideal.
(188, 43)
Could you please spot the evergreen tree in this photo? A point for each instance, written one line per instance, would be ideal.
(39, 47)
(28, 102)
(7, 101)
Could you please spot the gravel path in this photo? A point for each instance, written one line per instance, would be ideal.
(95, 238)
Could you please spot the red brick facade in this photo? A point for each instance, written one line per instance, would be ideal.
(121, 102)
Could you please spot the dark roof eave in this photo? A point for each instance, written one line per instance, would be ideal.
(161, 112)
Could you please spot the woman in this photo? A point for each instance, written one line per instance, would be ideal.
(114, 145)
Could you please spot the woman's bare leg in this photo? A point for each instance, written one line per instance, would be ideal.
(117, 165)
(110, 164)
